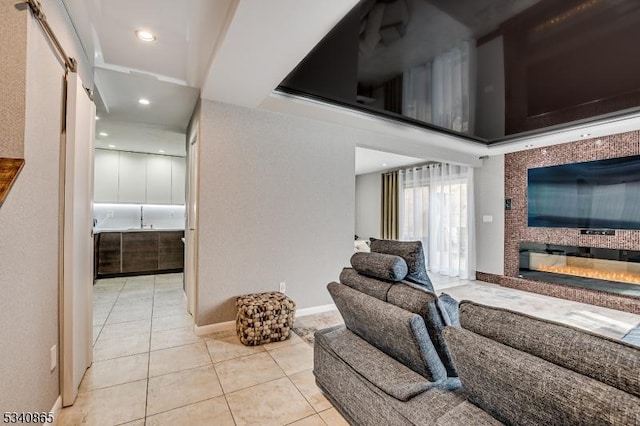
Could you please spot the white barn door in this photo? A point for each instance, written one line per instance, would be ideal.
(77, 264)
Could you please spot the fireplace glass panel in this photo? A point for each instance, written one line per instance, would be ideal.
(611, 270)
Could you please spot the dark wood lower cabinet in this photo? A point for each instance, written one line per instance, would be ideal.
(170, 250)
(108, 256)
(132, 253)
(139, 252)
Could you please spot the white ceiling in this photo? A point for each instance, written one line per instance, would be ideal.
(237, 51)
(136, 137)
(168, 72)
(369, 161)
(171, 106)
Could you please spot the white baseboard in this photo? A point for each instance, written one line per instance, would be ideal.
(231, 325)
(213, 328)
(315, 310)
(57, 406)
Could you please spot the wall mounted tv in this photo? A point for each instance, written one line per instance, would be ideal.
(603, 194)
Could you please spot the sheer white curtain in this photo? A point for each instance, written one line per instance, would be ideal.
(436, 207)
(440, 92)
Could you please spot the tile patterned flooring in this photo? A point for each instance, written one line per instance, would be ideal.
(150, 369)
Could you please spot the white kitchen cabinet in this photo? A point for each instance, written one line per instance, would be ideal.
(159, 179)
(178, 176)
(132, 178)
(106, 176)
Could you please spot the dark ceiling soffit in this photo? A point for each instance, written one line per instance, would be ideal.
(388, 116)
(393, 117)
(572, 125)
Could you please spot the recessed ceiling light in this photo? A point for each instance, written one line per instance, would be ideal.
(103, 134)
(112, 146)
(384, 164)
(145, 35)
(585, 135)
(97, 118)
(161, 151)
(143, 101)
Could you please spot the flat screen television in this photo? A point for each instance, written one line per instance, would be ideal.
(602, 194)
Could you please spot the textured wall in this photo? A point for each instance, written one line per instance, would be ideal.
(489, 201)
(516, 165)
(29, 243)
(277, 201)
(368, 204)
(13, 51)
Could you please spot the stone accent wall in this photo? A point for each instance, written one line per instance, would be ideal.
(516, 229)
(516, 165)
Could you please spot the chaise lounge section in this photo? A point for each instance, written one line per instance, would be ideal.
(402, 358)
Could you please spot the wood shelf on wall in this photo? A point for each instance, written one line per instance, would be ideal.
(9, 170)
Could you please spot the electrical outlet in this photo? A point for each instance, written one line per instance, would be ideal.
(283, 287)
(172, 214)
(110, 213)
(53, 355)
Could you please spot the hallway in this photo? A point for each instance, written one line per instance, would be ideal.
(150, 368)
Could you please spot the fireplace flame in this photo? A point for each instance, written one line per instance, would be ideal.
(619, 276)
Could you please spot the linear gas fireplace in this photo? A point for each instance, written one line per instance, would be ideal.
(610, 270)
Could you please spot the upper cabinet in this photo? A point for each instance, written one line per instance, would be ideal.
(158, 179)
(106, 176)
(132, 185)
(127, 177)
(178, 179)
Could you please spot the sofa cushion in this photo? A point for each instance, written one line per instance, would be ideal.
(371, 286)
(607, 360)
(425, 303)
(519, 388)
(400, 334)
(412, 253)
(467, 414)
(379, 369)
(377, 265)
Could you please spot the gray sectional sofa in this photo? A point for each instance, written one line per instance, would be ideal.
(404, 357)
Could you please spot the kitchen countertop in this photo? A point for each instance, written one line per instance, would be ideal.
(99, 231)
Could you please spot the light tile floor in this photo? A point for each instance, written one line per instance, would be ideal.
(150, 369)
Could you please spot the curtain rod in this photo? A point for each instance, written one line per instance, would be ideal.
(70, 63)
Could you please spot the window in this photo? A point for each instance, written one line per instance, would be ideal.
(434, 208)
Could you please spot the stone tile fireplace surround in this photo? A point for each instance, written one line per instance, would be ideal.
(517, 231)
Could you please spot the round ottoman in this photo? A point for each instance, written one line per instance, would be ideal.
(264, 318)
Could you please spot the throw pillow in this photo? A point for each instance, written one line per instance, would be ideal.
(382, 266)
(412, 253)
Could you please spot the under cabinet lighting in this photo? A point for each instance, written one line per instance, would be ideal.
(143, 101)
(161, 151)
(145, 35)
(103, 134)
(384, 164)
(112, 146)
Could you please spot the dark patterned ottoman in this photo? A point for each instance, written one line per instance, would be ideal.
(264, 318)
